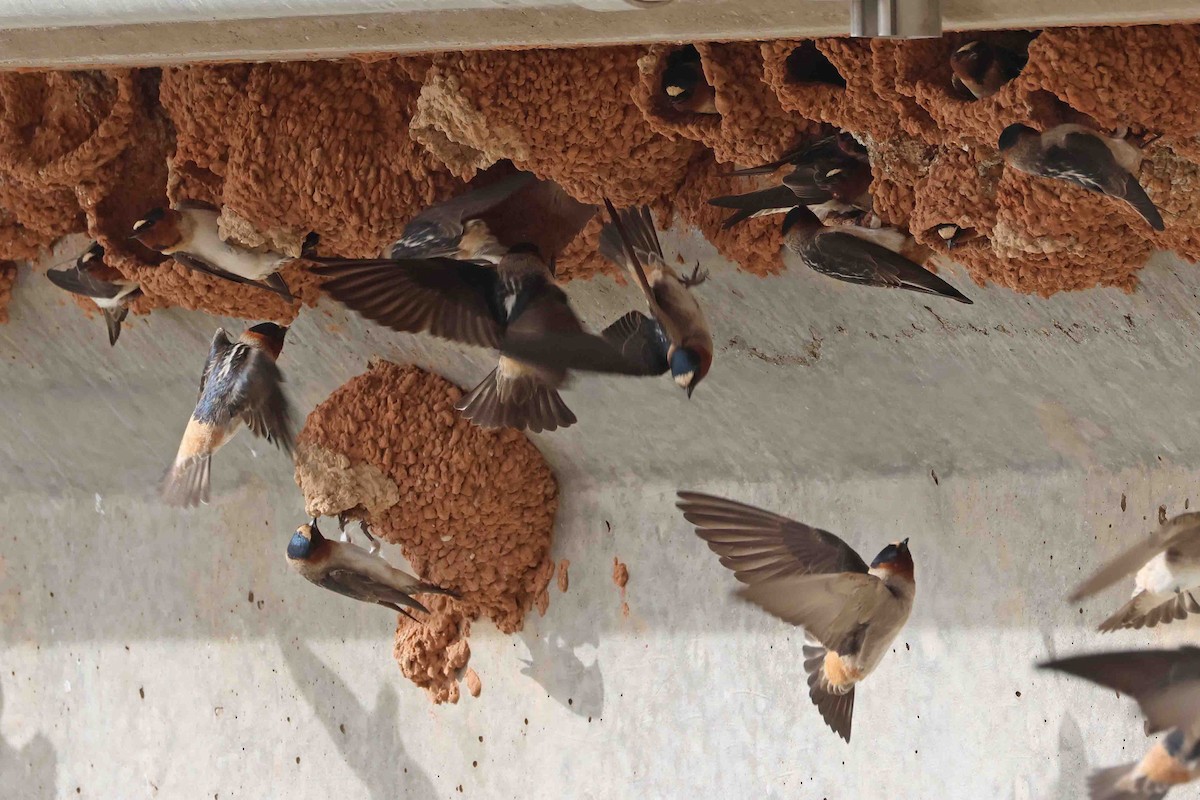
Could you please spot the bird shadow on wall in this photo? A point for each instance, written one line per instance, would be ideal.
(554, 664)
(1072, 762)
(369, 739)
(33, 767)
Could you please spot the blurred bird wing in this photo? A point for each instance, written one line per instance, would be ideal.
(641, 341)
(835, 609)
(758, 545)
(217, 351)
(448, 216)
(1181, 534)
(1165, 683)
(628, 239)
(258, 398)
(451, 299)
(81, 282)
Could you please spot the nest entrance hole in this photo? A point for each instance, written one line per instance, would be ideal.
(807, 64)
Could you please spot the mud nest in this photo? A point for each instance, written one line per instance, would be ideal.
(472, 510)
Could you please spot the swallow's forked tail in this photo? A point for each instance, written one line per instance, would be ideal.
(1136, 196)
(1147, 609)
(522, 402)
(837, 709)
(187, 482)
(1113, 784)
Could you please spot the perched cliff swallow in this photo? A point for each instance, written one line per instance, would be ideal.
(809, 577)
(829, 148)
(190, 236)
(684, 84)
(982, 68)
(351, 571)
(445, 229)
(1167, 586)
(1166, 685)
(240, 383)
(955, 235)
(1084, 158)
(473, 303)
(837, 183)
(854, 255)
(112, 296)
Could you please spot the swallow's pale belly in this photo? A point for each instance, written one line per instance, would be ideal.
(1160, 576)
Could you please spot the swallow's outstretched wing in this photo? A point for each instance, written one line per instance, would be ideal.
(1165, 683)
(849, 258)
(456, 300)
(82, 282)
(438, 230)
(641, 341)
(759, 545)
(1180, 534)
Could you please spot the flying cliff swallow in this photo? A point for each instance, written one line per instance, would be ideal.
(1167, 586)
(477, 304)
(982, 68)
(112, 295)
(835, 183)
(240, 383)
(1082, 157)
(190, 236)
(676, 336)
(1166, 686)
(811, 578)
(684, 84)
(855, 255)
(351, 571)
(446, 229)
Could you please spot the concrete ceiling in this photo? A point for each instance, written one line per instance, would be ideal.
(74, 33)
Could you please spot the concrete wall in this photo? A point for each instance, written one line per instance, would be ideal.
(148, 652)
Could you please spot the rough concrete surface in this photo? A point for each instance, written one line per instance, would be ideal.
(150, 652)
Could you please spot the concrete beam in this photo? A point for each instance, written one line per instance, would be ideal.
(145, 32)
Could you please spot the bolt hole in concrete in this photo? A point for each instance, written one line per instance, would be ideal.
(1053, 421)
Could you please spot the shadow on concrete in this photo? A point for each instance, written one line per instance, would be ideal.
(369, 739)
(555, 666)
(32, 768)
(1072, 762)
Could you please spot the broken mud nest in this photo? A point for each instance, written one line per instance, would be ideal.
(472, 510)
(352, 149)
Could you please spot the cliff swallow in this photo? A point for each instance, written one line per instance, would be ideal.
(836, 184)
(855, 255)
(446, 229)
(811, 578)
(955, 235)
(351, 571)
(189, 234)
(112, 295)
(1167, 586)
(240, 383)
(828, 148)
(1166, 686)
(477, 304)
(684, 84)
(1082, 157)
(982, 68)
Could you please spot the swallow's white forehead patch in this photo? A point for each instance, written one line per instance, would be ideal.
(968, 47)
(947, 231)
(141, 223)
(684, 380)
(674, 91)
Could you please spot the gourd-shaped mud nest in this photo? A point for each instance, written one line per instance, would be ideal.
(472, 510)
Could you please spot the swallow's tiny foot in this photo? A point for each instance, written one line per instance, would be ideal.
(374, 547)
(695, 279)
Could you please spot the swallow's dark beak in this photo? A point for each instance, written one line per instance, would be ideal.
(691, 388)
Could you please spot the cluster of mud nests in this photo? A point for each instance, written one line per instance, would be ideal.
(352, 149)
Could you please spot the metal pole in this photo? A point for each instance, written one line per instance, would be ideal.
(896, 19)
